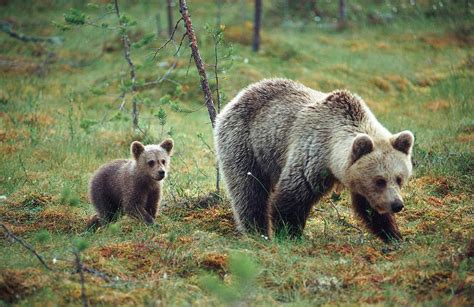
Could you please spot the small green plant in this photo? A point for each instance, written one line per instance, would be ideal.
(162, 116)
(69, 197)
(80, 244)
(243, 271)
(42, 236)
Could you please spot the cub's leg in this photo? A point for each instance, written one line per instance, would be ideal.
(107, 209)
(134, 206)
(152, 203)
(382, 225)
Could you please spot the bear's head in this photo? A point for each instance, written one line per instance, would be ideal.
(379, 168)
(152, 161)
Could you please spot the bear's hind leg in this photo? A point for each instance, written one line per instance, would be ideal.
(290, 205)
(249, 191)
(294, 197)
(107, 210)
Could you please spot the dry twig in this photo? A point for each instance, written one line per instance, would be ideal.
(25, 244)
(80, 270)
(133, 77)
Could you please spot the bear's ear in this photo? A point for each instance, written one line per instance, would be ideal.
(136, 149)
(403, 141)
(168, 146)
(361, 146)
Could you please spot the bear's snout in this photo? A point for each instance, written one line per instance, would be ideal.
(397, 206)
(161, 175)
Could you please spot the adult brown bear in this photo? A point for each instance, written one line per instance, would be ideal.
(281, 146)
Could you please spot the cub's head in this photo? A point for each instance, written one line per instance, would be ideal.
(152, 160)
(378, 170)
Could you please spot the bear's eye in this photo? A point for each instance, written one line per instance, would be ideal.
(381, 183)
(163, 161)
(151, 163)
(399, 181)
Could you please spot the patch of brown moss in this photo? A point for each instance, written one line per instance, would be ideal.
(216, 262)
(17, 284)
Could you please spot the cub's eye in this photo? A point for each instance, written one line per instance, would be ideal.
(163, 161)
(381, 183)
(151, 163)
(399, 181)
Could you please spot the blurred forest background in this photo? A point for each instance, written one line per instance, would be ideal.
(81, 80)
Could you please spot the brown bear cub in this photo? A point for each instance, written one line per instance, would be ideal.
(133, 186)
(281, 146)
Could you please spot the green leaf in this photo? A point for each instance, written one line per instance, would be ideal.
(161, 115)
(92, 5)
(165, 99)
(75, 17)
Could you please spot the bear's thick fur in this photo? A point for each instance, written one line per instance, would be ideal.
(281, 146)
(133, 186)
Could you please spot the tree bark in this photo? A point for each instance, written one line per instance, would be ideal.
(257, 25)
(170, 16)
(342, 14)
(198, 61)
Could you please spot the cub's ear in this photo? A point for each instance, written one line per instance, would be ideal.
(361, 146)
(168, 146)
(136, 149)
(403, 141)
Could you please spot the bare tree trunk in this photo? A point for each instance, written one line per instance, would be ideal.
(216, 69)
(243, 10)
(158, 24)
(198, 61)
(314, 8)
(342, 14)
(170, 16)
(126, 51)
(257, 25)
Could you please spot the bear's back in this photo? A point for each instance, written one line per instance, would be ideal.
(108, 180)
(260, 118)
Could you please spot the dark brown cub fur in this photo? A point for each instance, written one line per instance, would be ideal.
(133, 186)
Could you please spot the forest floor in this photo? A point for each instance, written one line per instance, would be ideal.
(60, 120)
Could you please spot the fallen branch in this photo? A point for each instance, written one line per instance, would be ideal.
(25, 244)
(99, 274)
(183, 9)
(7, 28)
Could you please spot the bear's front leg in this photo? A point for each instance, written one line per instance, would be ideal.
(290, 205)
(135, 207)
(152, 203)
(382, 225)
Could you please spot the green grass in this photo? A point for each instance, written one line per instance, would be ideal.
(415, 73)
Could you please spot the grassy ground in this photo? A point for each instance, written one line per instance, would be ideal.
(61, 120)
